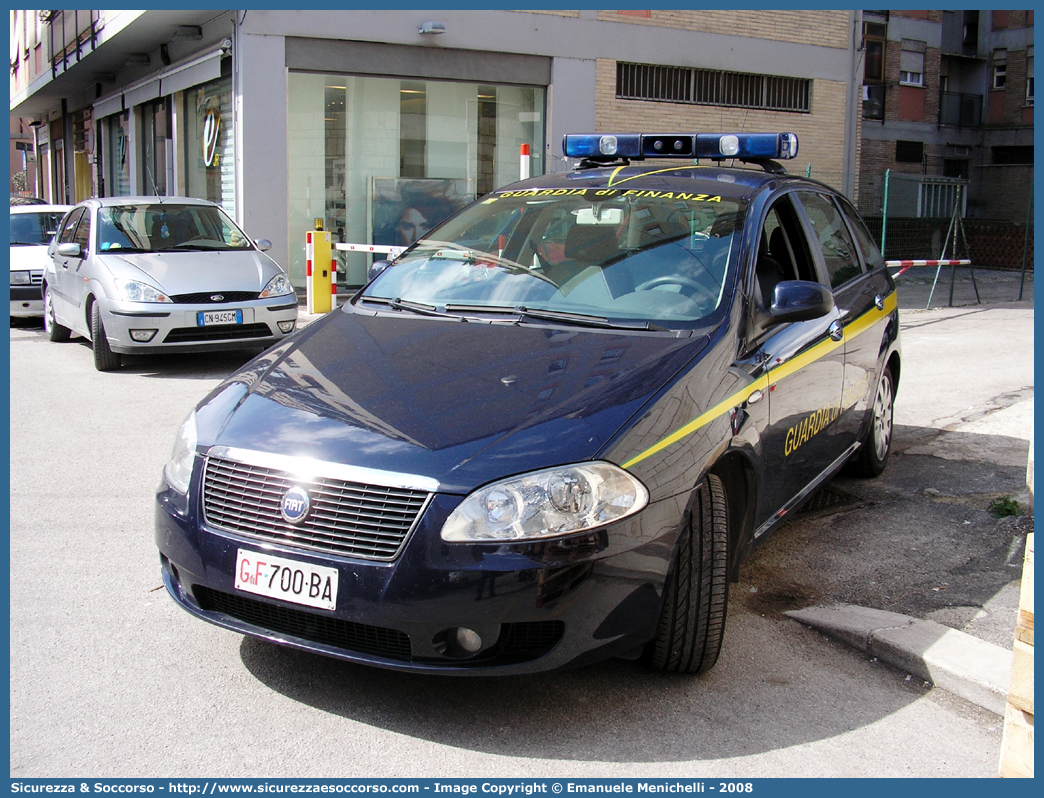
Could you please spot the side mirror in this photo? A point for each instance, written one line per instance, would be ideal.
(800, 300)
(263, 244)
(376, 268)
(70, 250)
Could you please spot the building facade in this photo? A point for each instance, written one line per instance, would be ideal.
(948, 101)
(380, 123)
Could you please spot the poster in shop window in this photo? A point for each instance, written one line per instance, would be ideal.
(404, 209)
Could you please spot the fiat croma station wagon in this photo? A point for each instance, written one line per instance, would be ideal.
(550, 431)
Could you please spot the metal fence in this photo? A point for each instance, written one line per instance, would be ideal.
(986, 216)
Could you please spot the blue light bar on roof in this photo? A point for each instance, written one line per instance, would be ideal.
(680, 145)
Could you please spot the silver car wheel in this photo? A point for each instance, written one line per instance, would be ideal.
(882, 433)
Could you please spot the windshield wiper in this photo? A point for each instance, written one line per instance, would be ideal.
(413, 307)
(581, 319)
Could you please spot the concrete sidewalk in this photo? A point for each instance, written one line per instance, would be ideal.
(957, 662)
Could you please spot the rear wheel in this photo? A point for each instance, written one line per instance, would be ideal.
(55, 331)
(692, 622)
(873, 454)
(104, 358)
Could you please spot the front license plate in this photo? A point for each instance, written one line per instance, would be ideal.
(206, 318)
(288, 580)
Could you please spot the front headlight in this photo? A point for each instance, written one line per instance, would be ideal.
(545, 504)
(178, 470)
(21, 278)
(133, 291)
(278, 286)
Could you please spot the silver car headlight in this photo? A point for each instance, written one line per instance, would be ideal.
(546, 504)
(21, 278)
(178, 470)
(278, 286)
(133, 291)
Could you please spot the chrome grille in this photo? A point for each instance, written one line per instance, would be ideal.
(346, 518)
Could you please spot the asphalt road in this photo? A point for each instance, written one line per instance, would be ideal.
(110, 679)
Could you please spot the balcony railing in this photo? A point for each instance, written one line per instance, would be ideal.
(960, 110)
(73, 34)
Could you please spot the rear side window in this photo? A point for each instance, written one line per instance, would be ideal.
(839, 250)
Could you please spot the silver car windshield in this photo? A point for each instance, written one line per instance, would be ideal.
(625, 256)
(164, 227)
(34, 229)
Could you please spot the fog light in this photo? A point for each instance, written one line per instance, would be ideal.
(468, 640)
(142, 336)
(457, 642)
(286, 326)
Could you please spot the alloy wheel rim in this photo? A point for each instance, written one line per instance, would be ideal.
(883, 418)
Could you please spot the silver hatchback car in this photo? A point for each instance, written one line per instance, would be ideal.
(159, 274)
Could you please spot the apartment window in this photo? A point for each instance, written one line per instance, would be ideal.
(1000, 69)
(909, 151)
(874, 42)
(712, 87)
(1013, 155)
(911, 63)
(1029, 76)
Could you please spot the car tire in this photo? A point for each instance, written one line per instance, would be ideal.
(55, 331)
(873, 454)
(104, 358)
(692, 621)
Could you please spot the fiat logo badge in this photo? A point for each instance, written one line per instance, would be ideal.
(295, 504)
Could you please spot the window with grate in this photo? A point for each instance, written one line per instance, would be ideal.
(712, 87)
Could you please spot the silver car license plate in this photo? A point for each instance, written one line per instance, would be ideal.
(289, 580)
(206, 318)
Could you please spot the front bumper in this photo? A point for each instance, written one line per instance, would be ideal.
(177, 330)
(537, 607)
(26, 302)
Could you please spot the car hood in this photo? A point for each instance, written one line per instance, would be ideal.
(462, 403)
(32, 258)
(190, 272)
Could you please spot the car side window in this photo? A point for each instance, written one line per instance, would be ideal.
(839, 251)
(83, 231)
(871, 254)
(69, 228)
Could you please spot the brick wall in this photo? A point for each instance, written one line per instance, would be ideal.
(821, 28)
(820, 133)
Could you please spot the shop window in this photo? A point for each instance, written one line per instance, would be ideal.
(156, 148)
(207, 165)
(117, 157)
(909, 151)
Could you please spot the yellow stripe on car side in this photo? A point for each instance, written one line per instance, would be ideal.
(792, 366)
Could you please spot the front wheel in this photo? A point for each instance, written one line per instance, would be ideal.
(55, 331)
(104, 358)
(692, 621)
(873, 454)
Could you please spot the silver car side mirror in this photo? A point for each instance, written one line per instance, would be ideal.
(263, 244)
(70, 250)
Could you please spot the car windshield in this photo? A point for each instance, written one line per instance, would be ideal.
(602, 254)
(167, 227)
(34, 229)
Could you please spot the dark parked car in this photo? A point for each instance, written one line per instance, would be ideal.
(550, 431)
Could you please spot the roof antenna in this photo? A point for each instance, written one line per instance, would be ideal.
(148, 171)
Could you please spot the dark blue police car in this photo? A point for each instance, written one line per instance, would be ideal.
(551, 431)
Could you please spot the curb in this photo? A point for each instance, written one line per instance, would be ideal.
(966, 666)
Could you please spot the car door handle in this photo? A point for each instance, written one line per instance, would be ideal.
(879, 302)
(836, 331)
